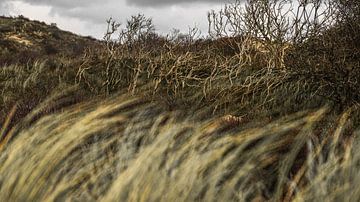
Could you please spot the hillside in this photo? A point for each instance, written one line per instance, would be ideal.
(22, 39)
(34, 56)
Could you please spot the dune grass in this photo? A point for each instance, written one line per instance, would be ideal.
(132, 149)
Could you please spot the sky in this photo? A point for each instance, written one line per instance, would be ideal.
(88, 17)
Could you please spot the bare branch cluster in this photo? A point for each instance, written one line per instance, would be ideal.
(272, 20)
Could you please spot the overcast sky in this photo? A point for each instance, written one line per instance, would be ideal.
(87, 17)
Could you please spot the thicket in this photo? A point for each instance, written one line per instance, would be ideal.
(298, 54)
(258, 55)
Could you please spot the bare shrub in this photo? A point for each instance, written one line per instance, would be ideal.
(272, 21)
(330, 60)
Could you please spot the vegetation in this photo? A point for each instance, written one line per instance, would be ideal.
(265, 108)
(23, 41)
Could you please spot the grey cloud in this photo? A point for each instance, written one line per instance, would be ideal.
(81, 9)
(97, 11)
(137, 3)
(62, 3)
(92, 14)
(161, 3)
(5, 8)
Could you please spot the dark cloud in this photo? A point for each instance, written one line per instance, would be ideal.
(159, 3)
(87, 10)
(138, 3)
(89, 16)
(62, 3)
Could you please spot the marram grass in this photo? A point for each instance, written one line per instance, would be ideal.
(131, 149)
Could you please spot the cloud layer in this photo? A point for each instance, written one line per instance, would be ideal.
(61, 3)
(89, 16)
(5, 8)
(156, 3)
(137, 3)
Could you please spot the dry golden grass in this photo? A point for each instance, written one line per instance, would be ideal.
(132, 149)
(19, 39)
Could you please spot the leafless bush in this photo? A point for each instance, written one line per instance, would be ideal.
(274, 26)
(329, 61)
(187, 39)
(272, 21)
(112, 28)
(137, 30)
(316, 41)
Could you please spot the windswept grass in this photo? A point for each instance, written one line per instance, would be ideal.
(131, 149)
